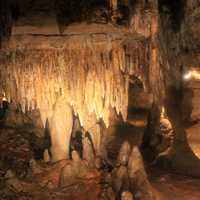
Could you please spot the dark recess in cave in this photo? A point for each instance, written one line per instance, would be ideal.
(175, 9)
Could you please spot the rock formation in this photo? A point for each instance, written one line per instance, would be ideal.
(138, 178)
(124, 154)
(127, 196)
(88, 151)
(86, 84)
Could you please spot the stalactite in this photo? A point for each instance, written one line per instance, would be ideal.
(94, 82)
(89, 77)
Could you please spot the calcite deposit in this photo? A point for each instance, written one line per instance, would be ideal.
(90, 89)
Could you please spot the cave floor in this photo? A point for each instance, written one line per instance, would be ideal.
(168, 186)
(174, 186)
(15, 151)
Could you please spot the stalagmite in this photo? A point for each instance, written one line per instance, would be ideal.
(46, 156)
(92, 126)
(138, 177)
(88, 152)
(120, 179)
(61, 127)
(124, 154)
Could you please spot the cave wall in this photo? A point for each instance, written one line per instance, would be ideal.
(39, 68)
(178, 47)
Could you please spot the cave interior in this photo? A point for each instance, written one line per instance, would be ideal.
(99, 99)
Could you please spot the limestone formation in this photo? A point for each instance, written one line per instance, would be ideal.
(80, 167)
(60, 129)
(14, 117)
(34, 166)
(138, 177)
(67, 176)
(76, 157)
(10, 174)
(55, 82)
(88, 151)
(126, 195)
(64, 65)
(99, 162)
(108, 194)
(124, 154)
(46, 156)
(120, 179)
(94, 132)
(15, 184)
(73, 171)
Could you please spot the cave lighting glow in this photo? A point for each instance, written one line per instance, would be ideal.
(4, 97)
(162, 114)
(193, 74)
(187, 76)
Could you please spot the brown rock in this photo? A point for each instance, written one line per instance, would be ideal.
(15, 118)
(120, 179)
(46, 156)
(88, 152)
(35, 168)
(76, 157)
(124, 154)
(126, 195)
(67, 176)
(138, 177)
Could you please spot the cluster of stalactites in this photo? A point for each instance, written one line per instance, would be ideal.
(90, 78)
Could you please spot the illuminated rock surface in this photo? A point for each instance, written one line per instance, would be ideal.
(87, 86)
